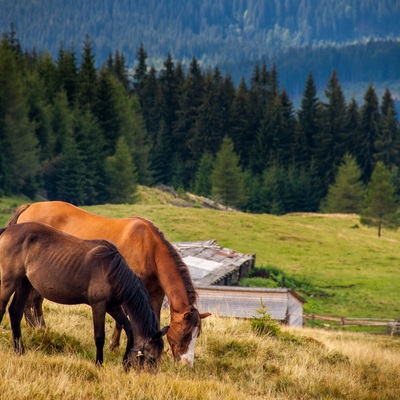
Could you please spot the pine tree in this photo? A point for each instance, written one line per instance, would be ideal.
(68, 73)
(330, 140)
(369, 131)
(190, 99)
(289, 129)
(351, 128)
(18, 143)
(161, 163)
(70, 183)
(274, 190)
(151, 104)
(240, 123)
(120, 70)
(387, 143)
(140, 71)
(309, 122)
(133, 129)
(105, 110)
(346, 194)
(39, 114)
(227, 179)
(87, 76)
(121, 175)
(202, 183)
(91, 147)
(381, 206)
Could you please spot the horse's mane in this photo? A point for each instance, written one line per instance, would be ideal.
(181, 266)
(130, 290)
(14, 218)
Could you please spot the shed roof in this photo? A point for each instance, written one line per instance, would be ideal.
(210, 264)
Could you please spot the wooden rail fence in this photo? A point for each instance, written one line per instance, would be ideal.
(392, 326)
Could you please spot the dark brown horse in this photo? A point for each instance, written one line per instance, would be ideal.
(146, 251)
(68, 270)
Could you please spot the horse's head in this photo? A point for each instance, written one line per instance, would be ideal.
(183, 332)
(148, 353)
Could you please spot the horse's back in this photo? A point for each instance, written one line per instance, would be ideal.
(56, 262)
(134, 237)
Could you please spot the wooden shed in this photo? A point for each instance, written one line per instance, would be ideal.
(213, 268)
(283, 304)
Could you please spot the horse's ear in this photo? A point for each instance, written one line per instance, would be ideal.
(160, 334)
(205, 315)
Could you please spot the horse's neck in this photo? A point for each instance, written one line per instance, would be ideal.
(173, 283)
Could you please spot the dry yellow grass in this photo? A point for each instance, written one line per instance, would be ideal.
(231, 363)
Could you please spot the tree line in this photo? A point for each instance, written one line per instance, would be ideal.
(88, 135)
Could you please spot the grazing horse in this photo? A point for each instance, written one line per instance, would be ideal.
(68, 270)
(147, 252)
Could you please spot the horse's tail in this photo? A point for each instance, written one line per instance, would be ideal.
(14, 218)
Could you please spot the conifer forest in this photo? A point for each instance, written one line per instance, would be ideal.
(73, 131)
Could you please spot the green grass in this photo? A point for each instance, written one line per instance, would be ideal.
(341, 267)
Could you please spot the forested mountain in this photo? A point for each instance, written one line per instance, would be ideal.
(198, 95)
(297, 35)
(88, 135)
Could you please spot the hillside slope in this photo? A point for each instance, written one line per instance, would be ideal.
(341, 267)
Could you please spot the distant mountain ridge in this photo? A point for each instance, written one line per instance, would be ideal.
(233, 34)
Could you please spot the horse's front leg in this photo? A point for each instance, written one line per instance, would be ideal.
(16, 311)
(123, 322)
(99, 317)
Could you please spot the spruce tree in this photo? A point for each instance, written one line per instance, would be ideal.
(387, 142)
(140, 71)
(330, 140)
(91, 147)
(190, 99)
(68, 73)
(346, 194)
(227, 178)
(121, 175)
(69, 172)
(202, 183)
(369, 131)
(87, 76)
(105, 110)
(132, 128)
(151, 104)
(351, 129)
(309, 122)
(241, 124)
(381, 206)
(18, 143)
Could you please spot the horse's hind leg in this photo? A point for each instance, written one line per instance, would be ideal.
(7, 288)
(34, 311)
(16, 311)
(116, 337)
(122, 320)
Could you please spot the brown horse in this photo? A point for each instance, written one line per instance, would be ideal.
(68, 270)
(146, 251)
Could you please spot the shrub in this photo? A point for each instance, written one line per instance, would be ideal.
(264, 324)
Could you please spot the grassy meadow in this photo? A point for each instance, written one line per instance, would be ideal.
(232, 362)
(341, 267)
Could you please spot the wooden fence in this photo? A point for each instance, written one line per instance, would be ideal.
(378, 325)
